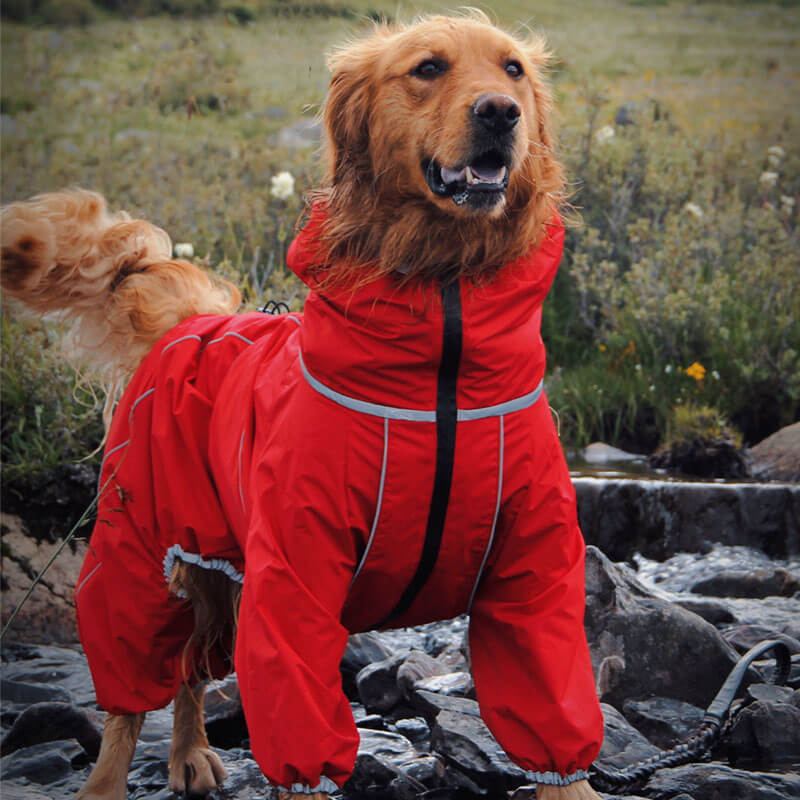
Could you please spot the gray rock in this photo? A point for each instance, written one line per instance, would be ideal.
(770, 693)
(24, 694)
(710, 610)
(743, 637)
(43, 763)
(467, 745)
(415, 729)
(766, 733)
(418, 665)
(777, 457)
(622, 743)
(661, 518)
(362, 649)
(664, 721)
(759, 583)
(600, 453)
(429, 704)
(719, 782)
(454, 684)
(647, 640)
(49, 722)
(377, 685)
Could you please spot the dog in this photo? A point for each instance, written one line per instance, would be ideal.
(384, 459)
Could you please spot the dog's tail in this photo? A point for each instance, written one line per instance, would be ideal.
(110, 276)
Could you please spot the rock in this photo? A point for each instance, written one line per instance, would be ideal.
(761, 583)
(743, 637)
(719, 457)
(49, 613)
(719, 782)
(362, 649)
(43, 763)
(415, 729)
(467, 744)
(770, 693)
(660, 518)
(766, 732)
(302, 134)
(709, 610)
(622, 743)
(664, 721)
(49, 722)
(24, 694)
(377, 684)
(418, 665)
(777, 458)
(656, 647)
(600, 453)
(455, 684)
(429, 704)
(224, 715)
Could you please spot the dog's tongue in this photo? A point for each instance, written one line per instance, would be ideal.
(488, 174)
(453, 175)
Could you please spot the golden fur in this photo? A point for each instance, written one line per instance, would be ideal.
(114, 279)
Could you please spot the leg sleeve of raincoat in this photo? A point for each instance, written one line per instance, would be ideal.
(530, 659)
(289, 645)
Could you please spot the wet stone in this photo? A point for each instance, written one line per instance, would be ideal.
(418, 665)
(362, 649)
(415, 728)
(766, 732)
(622, 743)
(719, 782)
(377, 684)
(456, 684)
(48, 722)
(664, 721)
(24, 694)
(775, 582)
(429, 704)
(42, 763)
(743, 637)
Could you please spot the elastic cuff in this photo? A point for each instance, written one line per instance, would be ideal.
(176, 552)
(324, 785)
(556, 778)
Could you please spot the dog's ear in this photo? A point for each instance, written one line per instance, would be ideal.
(348, 105)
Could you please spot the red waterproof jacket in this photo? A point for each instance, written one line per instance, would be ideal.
(386, 458)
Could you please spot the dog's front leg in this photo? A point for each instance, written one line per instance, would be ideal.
(109, 778)
(579, 790)
(193, 767)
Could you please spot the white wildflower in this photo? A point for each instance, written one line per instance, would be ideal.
(715, 374)
(773, 161)
(282, 185)
(604, 134)
(776, 151)
(652, 387)
(668, 369)
(787, 203)
(768, 179)
(184, 250)
(694, 210)
(638, 367)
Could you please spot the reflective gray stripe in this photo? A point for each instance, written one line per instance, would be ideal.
(103, 462)
(374, 409)
(294, 319)
(83, 582)
(182, 339)
(501, 450)
(418, 415)
(230, 333)
(378, 503)
(501, 409)
(241, 492)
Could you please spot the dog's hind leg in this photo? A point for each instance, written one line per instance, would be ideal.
(109, 777)
(194, 768)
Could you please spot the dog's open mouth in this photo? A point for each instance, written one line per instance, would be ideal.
(482, 182)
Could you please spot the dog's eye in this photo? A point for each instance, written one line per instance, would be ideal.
(514, 69)
(429, 68)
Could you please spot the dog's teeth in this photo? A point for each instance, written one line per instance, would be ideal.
(470, 176)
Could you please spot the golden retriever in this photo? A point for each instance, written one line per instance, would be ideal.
(440, 164)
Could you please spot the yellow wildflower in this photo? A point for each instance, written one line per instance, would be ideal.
(696, 371)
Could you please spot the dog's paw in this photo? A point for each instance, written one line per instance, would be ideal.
(196, 773)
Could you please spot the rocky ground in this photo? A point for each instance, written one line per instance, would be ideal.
(663, 638)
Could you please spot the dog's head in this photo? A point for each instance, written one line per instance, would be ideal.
(438, 145)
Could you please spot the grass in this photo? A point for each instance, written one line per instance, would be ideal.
(105, 106)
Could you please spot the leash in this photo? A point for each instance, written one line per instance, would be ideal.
(711, 728)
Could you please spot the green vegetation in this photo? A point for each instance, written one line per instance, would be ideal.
(688, 251)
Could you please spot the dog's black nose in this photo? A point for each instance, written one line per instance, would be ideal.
(497, 112)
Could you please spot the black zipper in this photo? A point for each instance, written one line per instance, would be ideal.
(446, 424)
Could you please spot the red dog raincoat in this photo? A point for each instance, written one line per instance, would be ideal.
(387, 458)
